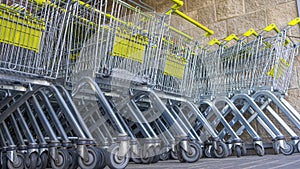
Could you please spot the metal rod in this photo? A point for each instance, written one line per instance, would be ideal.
(176, 6)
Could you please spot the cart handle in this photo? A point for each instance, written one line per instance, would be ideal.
(40, 2)
(270, 27)
(176, 6)
(231, 37)
(214, 41)
(250, 32)
(294, 22)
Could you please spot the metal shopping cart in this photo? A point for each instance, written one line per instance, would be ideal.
(271, 77)
(33, 110)
(174, 79)
(107, 42)
(240, 65)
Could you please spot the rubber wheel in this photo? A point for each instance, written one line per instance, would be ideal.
(229, 151)
(244, 150)
(31, 161)
(43, 161)
(135, 158)
(93, 160)
(174, 155)
(156, 155)
(74, 156)
(221, 151)
(149, 156)
(207, 152)
(298, 147)
(113, 160)
(155, 159)
(164, 156)
(19, 163)
(179, 153)
(193, 155)
(102, 153)
(238, 151)
(260, 151)
(289, 150)
(63, 160)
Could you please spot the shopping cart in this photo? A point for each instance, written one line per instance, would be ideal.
(173, 78)
(213, 89)
(32, 42)
(241, 64)
(107, 42)
(35, 31)
(43, 128)
(271, 71)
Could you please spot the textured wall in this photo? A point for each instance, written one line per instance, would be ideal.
(237, 16)
(234, 16)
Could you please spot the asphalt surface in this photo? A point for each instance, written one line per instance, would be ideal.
(244, 162)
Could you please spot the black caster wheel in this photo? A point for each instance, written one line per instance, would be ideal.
(43, 161)
(260, 151)
(221, 151)
(74, 156)
(207, 152)
(102, 153)
(174, 155)
(148, 156)
(135, 158)
(62, 161)
(238, 151)
(289, 150)
(32, 160)
(18, 164)
(113, 160)
(93, 160)
(193, 155)
(164, 156)
(156, 157)
(298, 147)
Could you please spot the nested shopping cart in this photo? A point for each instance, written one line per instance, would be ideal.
(172, 80)
(107, 42)
(106, 53)
(119, 48)
(39, 124)
(241, 65)
(271, 77)
(271, 55)
(212, 91)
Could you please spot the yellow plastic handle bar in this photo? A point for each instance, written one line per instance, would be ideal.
(178, 4)
(40, 2)
(184, 16)
(214, 41)
(250, 32)
(231, 37)
(272, 26)
(294, 22)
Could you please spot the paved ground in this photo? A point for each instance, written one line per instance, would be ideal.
(245, 162)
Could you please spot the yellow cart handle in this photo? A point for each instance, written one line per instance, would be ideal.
(251, 32)
(176, 6)
(214, 41)
(294, 22)
(231, 37)
(270, 27)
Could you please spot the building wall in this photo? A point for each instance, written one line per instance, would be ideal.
(234, 16)
(237, 16)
